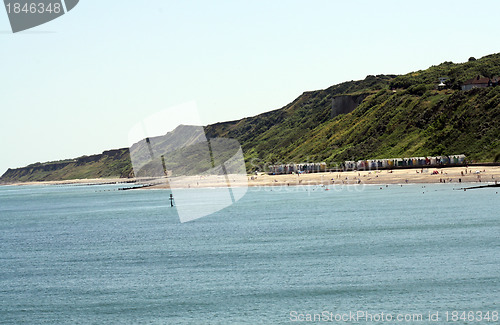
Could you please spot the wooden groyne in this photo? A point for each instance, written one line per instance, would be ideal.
(482, 186)
(135, 187)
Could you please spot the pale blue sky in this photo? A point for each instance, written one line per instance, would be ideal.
(77, 85)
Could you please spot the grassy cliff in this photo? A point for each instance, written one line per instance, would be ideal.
(400, 116)
(112, 163)
(381, 116)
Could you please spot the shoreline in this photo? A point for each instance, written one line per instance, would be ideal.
(456, 175)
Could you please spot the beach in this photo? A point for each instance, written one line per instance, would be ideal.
(477, 174)
(456, 175)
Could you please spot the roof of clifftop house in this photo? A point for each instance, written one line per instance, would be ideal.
(477, 81)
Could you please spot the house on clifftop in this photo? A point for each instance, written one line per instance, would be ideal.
(479, 82)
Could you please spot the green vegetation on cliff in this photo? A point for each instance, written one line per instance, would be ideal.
(401, 116)
(112, 163)
(397, 116)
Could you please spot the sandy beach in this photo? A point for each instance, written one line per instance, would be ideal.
(86, 181)
(398, 176)
(456, 175)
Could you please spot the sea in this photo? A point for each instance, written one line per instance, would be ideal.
(357, 254)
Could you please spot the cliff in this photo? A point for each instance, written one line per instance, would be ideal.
(381, 116)
(345, 104)
(111, 163)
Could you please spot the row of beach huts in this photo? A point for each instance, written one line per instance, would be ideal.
(406, 162)
(297, 168)
(453, 160)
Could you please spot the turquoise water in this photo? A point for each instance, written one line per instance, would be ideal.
(94, 255)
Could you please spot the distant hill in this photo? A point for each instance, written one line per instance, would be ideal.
(112, 163)
(381, 116)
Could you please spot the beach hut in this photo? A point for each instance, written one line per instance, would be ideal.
(363, 164)
(349, 164)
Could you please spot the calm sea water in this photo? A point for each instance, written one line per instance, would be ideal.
(86, 255)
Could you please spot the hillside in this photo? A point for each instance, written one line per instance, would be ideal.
(111, 163)
(379, 117)
(399, 116)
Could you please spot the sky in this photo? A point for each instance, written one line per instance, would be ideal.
(77, 85)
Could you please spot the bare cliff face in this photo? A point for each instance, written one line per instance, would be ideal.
(345, 104)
